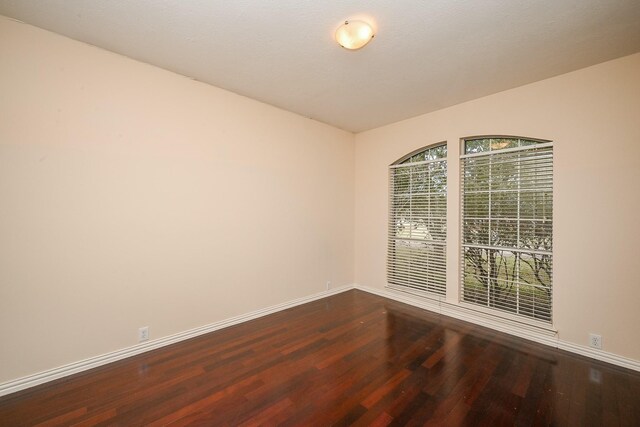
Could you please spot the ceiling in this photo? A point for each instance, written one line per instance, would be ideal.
(426, 54)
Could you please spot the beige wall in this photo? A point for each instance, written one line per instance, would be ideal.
(593, 116)
(131, 196)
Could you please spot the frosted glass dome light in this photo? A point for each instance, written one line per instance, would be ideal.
(353, 35)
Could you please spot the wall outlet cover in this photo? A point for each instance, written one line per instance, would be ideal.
(595, 341)
(143, 334)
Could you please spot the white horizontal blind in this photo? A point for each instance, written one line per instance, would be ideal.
(507, 223)
(416, 255)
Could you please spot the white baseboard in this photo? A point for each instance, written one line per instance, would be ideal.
(93, 362)
(601, 355)
(451, 310)
(532, 333)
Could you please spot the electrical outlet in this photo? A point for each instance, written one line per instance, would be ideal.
(595, 341)
(328, 284)
(143, 334)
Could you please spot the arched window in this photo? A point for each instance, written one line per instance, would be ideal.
(507, 223)
(416, 256)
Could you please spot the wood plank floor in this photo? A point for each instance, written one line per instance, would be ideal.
(350, 359)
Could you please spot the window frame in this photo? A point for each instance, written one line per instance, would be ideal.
(437, 269)
(538, 144)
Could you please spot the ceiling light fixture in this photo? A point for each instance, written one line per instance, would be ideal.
(353, 35)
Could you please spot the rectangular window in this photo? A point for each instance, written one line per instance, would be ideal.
(507, 223)
(417, 222)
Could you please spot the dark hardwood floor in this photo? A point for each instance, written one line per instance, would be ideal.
(350, 359)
